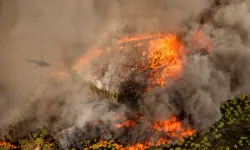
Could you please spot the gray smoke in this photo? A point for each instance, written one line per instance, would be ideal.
(66, 30)
(206, 81)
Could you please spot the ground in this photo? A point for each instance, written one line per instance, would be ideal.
(231, 132)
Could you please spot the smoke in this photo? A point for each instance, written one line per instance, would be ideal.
(64, 30)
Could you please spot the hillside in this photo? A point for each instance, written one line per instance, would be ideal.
(231, 132)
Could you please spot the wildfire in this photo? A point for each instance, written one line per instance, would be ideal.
(172, 128)
(127, 123)
(164, 59)
(8, 144)
(138, 146)
(86, 58)
(163, 53)
(168, 125)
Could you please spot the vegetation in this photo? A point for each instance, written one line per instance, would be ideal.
(231, 132)
(40, 139)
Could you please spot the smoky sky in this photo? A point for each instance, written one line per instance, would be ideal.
(64, 30)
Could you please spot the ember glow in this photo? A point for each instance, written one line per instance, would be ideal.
(8, 145)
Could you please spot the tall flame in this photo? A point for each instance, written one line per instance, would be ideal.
(164, 58)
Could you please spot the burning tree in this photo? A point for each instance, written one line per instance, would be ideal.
(145, 63)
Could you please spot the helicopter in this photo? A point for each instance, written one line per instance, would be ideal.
(40, 63)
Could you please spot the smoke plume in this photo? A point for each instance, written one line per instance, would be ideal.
(66, 30)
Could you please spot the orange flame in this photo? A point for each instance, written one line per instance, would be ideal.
(163, 54)
(140, 37)
(172, 128)
(138, 146)
(9, 145)
(169, 125)
(164, 59)
(126, 123)
(86, 58)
